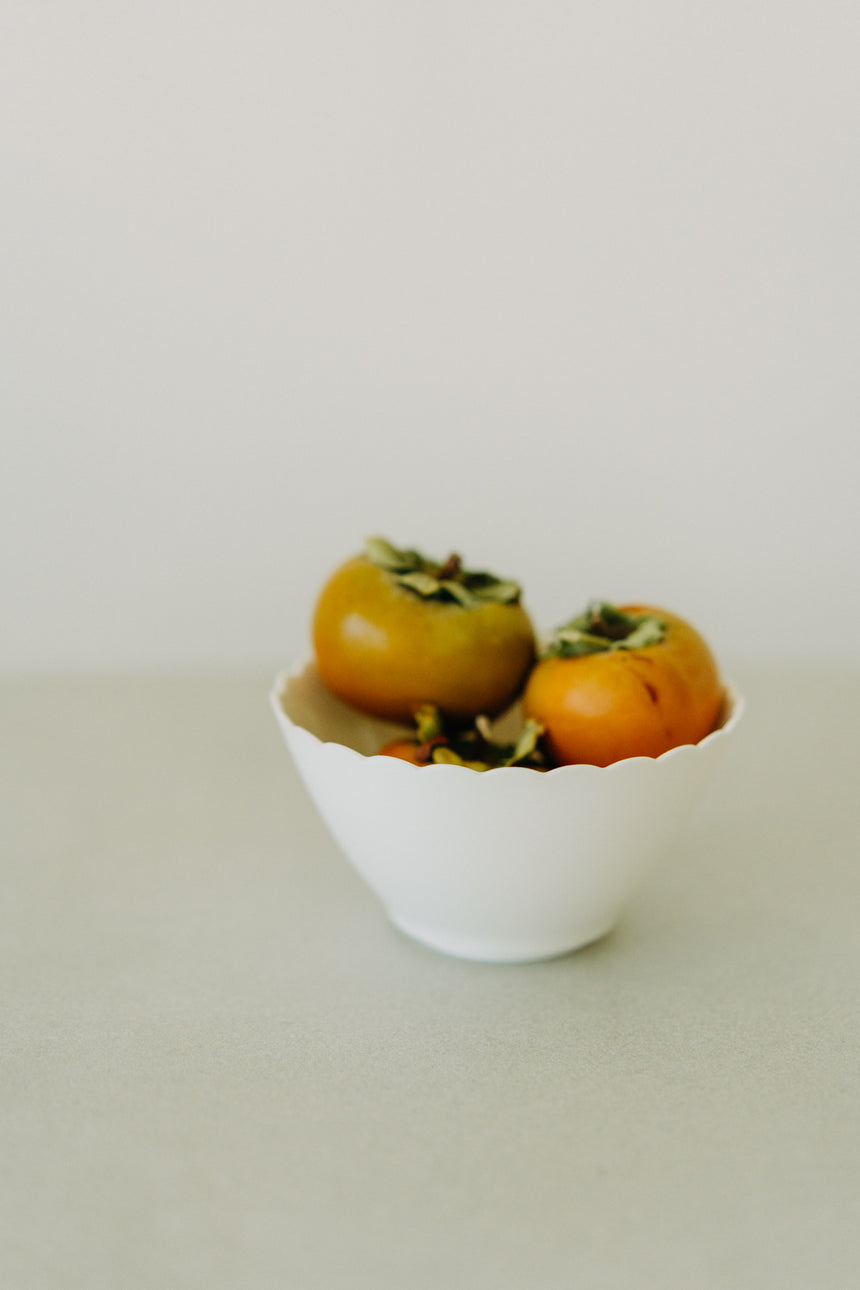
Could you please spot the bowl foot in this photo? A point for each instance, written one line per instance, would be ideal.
(501, 951)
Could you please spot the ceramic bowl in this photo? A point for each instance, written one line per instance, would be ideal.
(506, 865)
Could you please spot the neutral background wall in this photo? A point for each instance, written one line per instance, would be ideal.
(570, 287)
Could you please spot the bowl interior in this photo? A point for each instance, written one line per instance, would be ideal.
(310, 704)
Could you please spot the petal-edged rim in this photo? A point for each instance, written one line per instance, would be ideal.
(733, 710)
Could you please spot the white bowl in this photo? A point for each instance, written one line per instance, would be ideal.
(505, 865)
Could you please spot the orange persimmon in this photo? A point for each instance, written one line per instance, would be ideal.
(405, 750)
(628, 682)
(393, 630)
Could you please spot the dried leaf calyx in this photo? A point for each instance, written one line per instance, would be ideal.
(603, 628)
(442, 744)
(444, 580)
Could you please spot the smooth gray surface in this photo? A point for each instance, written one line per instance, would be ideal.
(221, 1067)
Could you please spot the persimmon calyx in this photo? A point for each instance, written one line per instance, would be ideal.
(601, 629)
(527, 750)
(428, 723)
(474, 747)
(440, 580)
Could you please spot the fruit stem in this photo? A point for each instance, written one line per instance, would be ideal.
(450, 569)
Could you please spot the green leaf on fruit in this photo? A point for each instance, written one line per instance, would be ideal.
(603, 629)
(446, 581)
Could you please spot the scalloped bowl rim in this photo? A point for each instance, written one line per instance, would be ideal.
(733, 709)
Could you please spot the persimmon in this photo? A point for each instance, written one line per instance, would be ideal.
(393, 630)
(436, 742)
(406, 750)
(629, 682)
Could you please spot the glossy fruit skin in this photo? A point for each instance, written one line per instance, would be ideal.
(604, 707)
(386, 650)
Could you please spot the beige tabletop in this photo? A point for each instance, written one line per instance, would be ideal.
(221, 1068)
